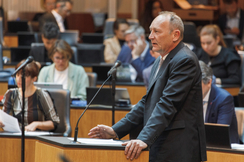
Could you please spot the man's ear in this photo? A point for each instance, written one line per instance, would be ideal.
(176, 35)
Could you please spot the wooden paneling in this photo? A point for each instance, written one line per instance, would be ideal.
(3, 88)
(217, 156)
(11, 41)
(11, 149)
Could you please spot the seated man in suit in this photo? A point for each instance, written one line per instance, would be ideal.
(136, 52)
(218, 105)
(58, 15)
(232, 22)
(50, 34)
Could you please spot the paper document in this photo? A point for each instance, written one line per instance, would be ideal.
(35, 133)
(94, 141)
(10, 122)
(237, 146)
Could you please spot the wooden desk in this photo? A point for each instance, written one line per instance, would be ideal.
(224, 155)
(10, 147)
(49, 149)
(93, 117)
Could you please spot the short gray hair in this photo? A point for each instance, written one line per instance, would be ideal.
(207, 72)
(174, 21)
(137, 29)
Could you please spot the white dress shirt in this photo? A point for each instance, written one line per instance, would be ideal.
(205, 104)
(59, 20)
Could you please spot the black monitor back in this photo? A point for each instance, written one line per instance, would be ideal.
(92, 38)
(90, 53)
(15, 26)
(217, 135)
(26, 38)
(19, 53)
(102, 71)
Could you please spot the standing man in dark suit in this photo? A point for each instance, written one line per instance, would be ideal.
(50, 33)
(58, 15)
(218, 105)
(171, 111)
(232, 22)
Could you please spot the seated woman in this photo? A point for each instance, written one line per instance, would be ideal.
(39, 110)
(62, 71)
(225, 62)
(113, 45)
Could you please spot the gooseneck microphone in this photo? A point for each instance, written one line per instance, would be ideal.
(117, 64)
(27, 61)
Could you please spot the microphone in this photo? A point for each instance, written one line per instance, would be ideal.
(117, 64)
(27, 61)
(76, 128)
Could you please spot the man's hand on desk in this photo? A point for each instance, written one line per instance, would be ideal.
(133, 148)
(102, 131)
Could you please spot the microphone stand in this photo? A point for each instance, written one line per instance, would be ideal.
(113, 94)
(22, 118)
(76, 128)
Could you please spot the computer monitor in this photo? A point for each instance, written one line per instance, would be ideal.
(15, 26)
(70, 36)
(102, 71)
(26, 38)
(217, 135)
(104, 97)
(90, 53)
(92, 38)
(19, 53)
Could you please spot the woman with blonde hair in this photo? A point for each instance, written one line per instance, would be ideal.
(72, 77)
(225, 62)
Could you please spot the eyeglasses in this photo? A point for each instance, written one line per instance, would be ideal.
(60, 58)
(133, 41)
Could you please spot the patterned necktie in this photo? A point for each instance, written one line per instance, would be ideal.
(159, 65)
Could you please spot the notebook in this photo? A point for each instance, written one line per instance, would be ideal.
(104, 97)
(217, 135)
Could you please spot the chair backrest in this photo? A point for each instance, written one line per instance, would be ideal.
(90, 53)
(108, 29)
(61, 98)
(92, 76)
(190, 34)
(240, 121)
(74, 58)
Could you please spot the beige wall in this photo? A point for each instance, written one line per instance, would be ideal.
(79, 5)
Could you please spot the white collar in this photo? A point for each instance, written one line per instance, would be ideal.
(238, 13)
(206, 98)
(143, 54)
(57, 16)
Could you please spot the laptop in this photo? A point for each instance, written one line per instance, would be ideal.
(104, 97)
(19, 53)
(48, 85)
(70, 36)
(15, 26)
(217, 135)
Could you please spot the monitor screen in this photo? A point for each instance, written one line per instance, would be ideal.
(90, 53)
(15, 26)
(70, 36)
(19, 53)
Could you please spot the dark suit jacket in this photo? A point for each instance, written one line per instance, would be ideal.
(221, 110)
(126, 57)
(223, 23)
(39, 53)
(171, 111)
(48, 17)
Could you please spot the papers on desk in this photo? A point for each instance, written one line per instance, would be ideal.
(94, 141)
(237, 146)
(35, 133)
(10, 122)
